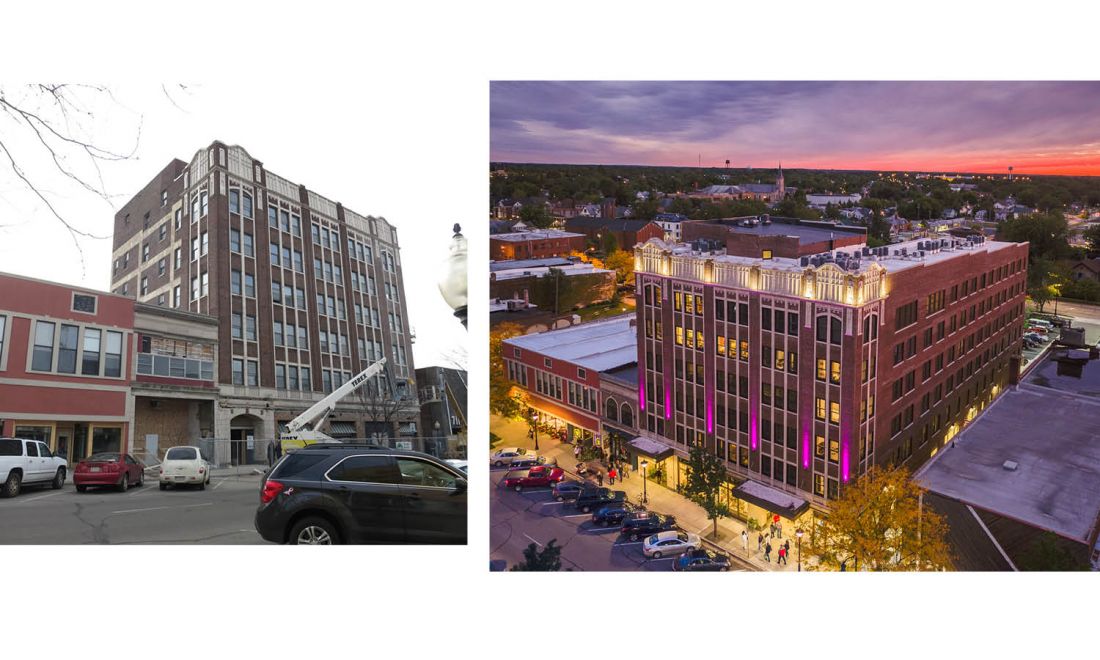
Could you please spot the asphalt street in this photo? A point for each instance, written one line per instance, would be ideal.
(221, 514)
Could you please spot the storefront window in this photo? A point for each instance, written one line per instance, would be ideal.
(41, 433)
(106, 439)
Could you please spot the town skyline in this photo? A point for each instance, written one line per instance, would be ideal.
(1037, 128)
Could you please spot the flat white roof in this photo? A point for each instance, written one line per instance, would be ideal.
(571, 269)
(1051, 436)
(538, 235)
(599, 345)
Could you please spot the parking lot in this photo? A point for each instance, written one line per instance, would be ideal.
(221, 514)
(532, 516)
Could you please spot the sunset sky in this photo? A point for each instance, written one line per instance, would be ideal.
(1036, 127)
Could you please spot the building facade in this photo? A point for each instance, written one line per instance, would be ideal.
(534, 244)
(305, 292)
(443, 410)
(803, 373)
(65, 361)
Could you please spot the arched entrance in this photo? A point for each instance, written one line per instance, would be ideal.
(245, 447)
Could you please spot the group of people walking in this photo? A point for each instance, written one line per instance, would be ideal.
(620, 472)
(764, 544)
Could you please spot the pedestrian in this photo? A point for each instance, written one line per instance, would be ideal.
(599, 477)
(611, 476)
(778, 530)
(745, 540)
(577, 451)
(782, 556)
(787, 546)
(771, 531)
(768, 552)
(624, 470)
(759, 541)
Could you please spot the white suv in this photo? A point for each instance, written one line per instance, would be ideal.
(29, 462)
(505, 455)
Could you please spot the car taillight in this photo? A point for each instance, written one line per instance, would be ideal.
(201, 470)
(271, 489)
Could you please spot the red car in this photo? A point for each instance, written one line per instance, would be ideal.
(109, 469)
(540, 475)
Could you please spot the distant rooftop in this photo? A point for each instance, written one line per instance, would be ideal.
(626, 373)
(569, 269)
(512, 264)
(807, 231)
(600, 345)
(1055, 485)
(535, 235)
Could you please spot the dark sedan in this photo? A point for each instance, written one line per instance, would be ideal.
(613, 514)
(567, 491)
(701, 560)
(109, 469)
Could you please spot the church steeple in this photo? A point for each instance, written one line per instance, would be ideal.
(780, 189)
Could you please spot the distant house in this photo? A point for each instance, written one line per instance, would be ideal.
(1086, 269)
(822, 200)
(670, 222)
(508, 209)
(764, 192)
(627, 233)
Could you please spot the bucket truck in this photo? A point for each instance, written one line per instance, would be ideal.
(302, 430)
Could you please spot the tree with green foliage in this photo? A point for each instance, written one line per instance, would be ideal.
(644, 209)
(879, 523)
(622, 262)
(504, 399)
(706, 475)
(1049, 553)
(1046, 232)
(1085, 288)
(536, 215)
(608, 243)
(1092, 236)
(547, 559)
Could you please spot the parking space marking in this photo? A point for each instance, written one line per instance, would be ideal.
(220, 483)
(533, 541)
(158, 508)
(630, 543)
(39, 497)
(551, 503)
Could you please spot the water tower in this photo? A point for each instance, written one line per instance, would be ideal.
(1009, 172)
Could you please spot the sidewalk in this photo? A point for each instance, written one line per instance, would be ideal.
(689, 516)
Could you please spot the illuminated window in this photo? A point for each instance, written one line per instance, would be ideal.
(677, 301)
(834, 372)
(767, 254)
(819, 446)
(721, 345)
(699, 340)
(699, 304)
(657, 323)
(780, 359)
(820, 408)
(744, 350)
(834, 412)
(690, 338)
(821, 370)
(733, 348)
(834, 451)
(679, 336)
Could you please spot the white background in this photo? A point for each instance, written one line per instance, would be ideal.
(407, 87)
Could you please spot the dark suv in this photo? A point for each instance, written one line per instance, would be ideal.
(594, 498)
(344, 493)
(640, 524)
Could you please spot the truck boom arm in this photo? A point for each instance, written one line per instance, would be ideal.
(316, 414)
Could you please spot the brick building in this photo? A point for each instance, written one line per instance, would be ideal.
(627, 233)
(534, 244)
(556, 285)
(65, 360)
(306, 293)
(803, 372)
(768, 237)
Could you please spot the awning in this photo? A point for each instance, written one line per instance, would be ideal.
(341, 429)
(407, 429)
(651, 448)
(771, 499)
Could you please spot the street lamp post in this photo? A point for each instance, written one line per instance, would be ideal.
(645, 498)
(535, 426)
(798, 534)
(438, 450)
(452, 285)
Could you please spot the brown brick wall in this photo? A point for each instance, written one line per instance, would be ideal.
(177, 422)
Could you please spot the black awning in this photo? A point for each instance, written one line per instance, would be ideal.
(771, 499)
(651, 448)
(341, 429)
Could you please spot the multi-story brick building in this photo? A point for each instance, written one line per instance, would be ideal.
(305, 291)
(534, 244)
(803, 371)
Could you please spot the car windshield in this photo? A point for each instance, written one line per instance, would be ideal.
(103, 457)
(181, 454)
(11, 447)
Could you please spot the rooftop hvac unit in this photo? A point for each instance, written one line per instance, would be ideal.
(804, 261)
(866, 251)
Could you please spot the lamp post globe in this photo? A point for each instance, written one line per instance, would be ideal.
(645, 498)
(452, 285)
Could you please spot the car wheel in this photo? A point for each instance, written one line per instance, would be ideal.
(499, 464)
(81, 489)
(141, 479)
(560, 498)
(634, 537)
(58, 479)
(586, 509)
(314, 531)
(163, 486)
(724, 569)
(202, 485)
(125, 483)
(657, 555)
(12, 485)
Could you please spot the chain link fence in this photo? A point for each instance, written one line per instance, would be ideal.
(246, 456)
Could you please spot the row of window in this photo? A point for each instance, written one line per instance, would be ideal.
(290, 335)
(582, 396)
(284, 294)
(292, 377)
(97, 353)
(284, 220)
(287, 258)
(323, 270)
(240, 202)
(174, 367)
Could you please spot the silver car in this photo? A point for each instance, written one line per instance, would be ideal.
(670, 543)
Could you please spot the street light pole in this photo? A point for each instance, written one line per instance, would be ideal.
(798, 533)
(452, 285)
(645, 498)
(535, 425)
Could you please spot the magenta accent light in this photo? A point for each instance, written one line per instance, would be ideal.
(710, 417)
(753, 439)
(806, 449)
(844, 465)
(641, 394)
(668, 403)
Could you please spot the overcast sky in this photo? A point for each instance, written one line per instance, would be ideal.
(1039, 127)
(337, 149)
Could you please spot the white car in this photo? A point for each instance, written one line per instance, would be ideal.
(460, 464)
(29, 462)
(672, 542)
(504, 456)
(184, 466)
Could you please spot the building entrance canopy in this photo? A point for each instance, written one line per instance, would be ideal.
(771, 499)
(655, 450)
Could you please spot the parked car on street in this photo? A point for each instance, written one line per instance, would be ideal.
(613, 514)
(184, 466)
(531, 460)
(701, 560)
(672, 542)
(641, 524)
(461, 465)
(595, 498)
(536, 477)
(109, 469)
(567, 491)
(357, 493)
(29, 462)
(504, 456)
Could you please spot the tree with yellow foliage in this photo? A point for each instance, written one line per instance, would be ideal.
(880, 524)
(504, 398)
